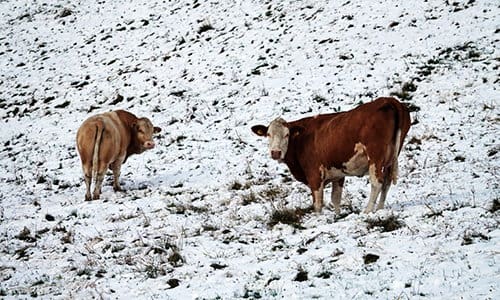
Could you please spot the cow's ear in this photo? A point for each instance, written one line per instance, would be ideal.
(156, 129)
(296, 131)
(260, 130)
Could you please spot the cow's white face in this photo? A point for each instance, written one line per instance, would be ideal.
(144, 130)
(278, 134)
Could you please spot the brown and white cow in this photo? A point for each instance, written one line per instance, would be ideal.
(326, 148)
(106, 141)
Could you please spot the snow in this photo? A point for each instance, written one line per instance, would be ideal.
(194, 221)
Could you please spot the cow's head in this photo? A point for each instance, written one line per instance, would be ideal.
(143, 133)
(279, 133)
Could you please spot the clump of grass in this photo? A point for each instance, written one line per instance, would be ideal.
(235, 186)
(288, 216)
(84, 272)
(469, 237)
(324, 274)
(67, 238)
(319, 99)
(22, 253)
(387, 224)
(175, 258)
(205, 26)
(405, 92)
(153, 270)
(274, 192)
(249, 198)
(25, 235)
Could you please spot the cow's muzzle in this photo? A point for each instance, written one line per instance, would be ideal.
(276, 154)
(149, 145)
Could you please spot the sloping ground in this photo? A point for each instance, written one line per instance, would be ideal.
(207, 214)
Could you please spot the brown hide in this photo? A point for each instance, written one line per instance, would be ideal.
(321, 149)
(107, 140)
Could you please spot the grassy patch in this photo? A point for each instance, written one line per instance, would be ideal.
(25, 235)
(175, 258)
(205, 26)
(287, 216)
(249, 198)
(387, 224)
(470, 237)
(153, 270)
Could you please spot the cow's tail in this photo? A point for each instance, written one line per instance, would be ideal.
(401, 126)
(397, 145)
(97, 145)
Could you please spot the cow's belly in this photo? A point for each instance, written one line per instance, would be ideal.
(357, 165)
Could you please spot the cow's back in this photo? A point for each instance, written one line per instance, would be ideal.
(114, 137)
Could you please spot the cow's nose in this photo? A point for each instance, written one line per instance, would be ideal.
(149, 144)
(275, 154)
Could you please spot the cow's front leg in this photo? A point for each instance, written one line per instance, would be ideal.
(116, 167)
(318, 199)
(337, 187)
(317, 187)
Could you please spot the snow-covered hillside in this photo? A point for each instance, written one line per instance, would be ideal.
(207, 214)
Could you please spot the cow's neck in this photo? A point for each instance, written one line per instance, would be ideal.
(292, 161)
(128, 119)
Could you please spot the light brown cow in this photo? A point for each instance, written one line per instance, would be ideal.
(106, 141)
(326, 148)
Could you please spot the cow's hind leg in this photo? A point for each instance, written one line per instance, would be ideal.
(376, 187)
(385, 187)
(101, 171)
(87, 175)
(88, 182)
(97, 186)
(116, 167)
(337, 187)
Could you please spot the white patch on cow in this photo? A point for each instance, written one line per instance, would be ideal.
(330, 174)
(278, 135)
(358, 163)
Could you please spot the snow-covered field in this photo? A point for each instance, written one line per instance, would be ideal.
(207, 214)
